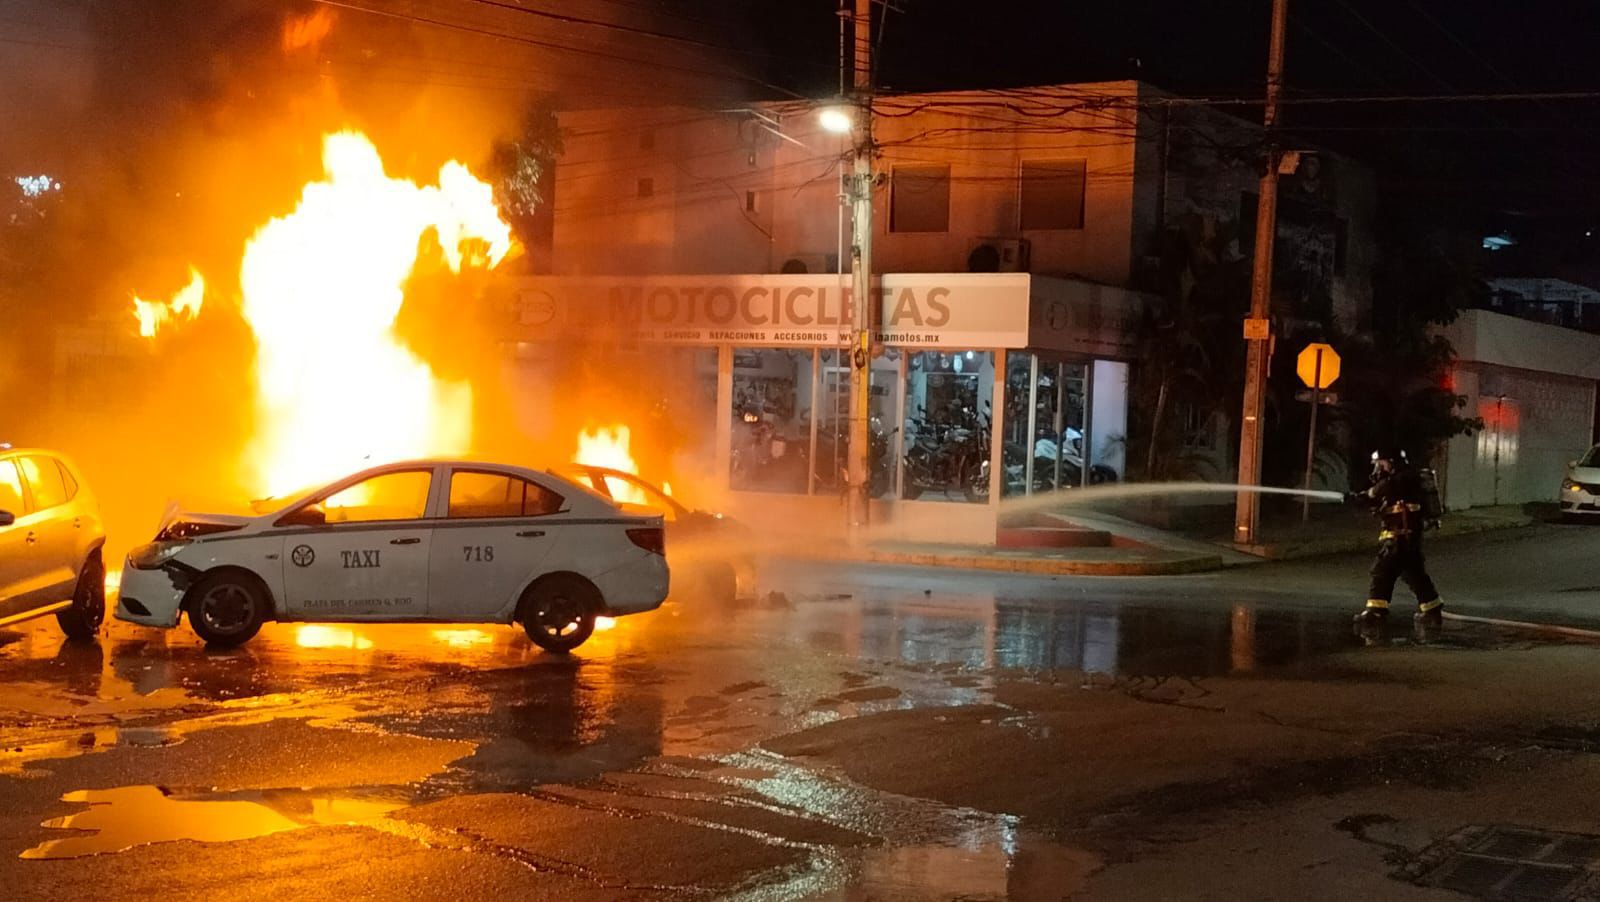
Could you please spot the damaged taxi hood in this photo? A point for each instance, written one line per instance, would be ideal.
(179, 524)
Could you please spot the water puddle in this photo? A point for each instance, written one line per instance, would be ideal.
(128, 816)
(1014, 868)
(924, 849)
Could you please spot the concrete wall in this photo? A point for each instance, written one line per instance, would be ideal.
(1534, 386)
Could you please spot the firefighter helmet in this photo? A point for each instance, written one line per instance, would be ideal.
(1391, 453)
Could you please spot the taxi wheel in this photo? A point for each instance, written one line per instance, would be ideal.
(226, 609)
(82, 621)
(558, 612)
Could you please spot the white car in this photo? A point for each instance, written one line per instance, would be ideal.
(436, 540)
(1580, 491)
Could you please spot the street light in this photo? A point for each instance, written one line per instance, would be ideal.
(836, 120)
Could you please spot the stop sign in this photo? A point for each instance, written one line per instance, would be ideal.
(1311, 373)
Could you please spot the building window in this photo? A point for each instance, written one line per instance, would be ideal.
(1052, 194)
(647, 187)
(945, 425)
(919, 199)
(771, 435)
(750, 202)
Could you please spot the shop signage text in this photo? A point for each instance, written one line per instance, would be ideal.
(952, 310)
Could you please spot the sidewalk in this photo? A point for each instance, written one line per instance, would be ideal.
(1348, 529)
(1139, 550)
(1044, 561)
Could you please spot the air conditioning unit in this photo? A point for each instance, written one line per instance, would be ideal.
(998, 255)
(810, 263)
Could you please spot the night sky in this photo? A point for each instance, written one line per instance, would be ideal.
(69, 67)
(1497, 160)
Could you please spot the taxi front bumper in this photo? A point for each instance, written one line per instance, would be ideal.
(149, 597)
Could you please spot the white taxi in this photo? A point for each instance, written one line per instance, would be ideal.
(436, 540)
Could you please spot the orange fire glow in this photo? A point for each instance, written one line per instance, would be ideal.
(152, 315)
(336, 391)
(609, 447)
(300, 32)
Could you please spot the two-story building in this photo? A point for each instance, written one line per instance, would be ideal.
(1022, 237)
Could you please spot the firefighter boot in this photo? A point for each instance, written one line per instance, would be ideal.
(1376, 613)
(1430, 613)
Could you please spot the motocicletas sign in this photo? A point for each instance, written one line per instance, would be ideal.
(958, 310)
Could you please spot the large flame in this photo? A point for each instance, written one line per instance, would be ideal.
(609, 447)
(322, 287)
(152, 315)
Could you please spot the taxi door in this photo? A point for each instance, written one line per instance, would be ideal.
(361, 553)
(491, 542)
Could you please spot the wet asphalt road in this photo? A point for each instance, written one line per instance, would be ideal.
(460, 762)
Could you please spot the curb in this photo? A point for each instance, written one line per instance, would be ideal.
(1271, 552)
(1045, 566)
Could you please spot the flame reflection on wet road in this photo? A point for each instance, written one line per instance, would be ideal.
(427, 715)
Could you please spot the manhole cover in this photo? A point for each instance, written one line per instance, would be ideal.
(1513, 864)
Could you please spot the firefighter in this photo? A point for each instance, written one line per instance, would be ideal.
(1397, 496)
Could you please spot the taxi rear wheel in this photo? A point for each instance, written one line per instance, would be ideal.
(226, 609)
(558, 612)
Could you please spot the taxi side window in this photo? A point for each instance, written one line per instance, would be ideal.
(44, 481)
(389, 496)
(476, 495)
(10, 489)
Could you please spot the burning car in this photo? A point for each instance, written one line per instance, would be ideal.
(429, 541)
(709, 550)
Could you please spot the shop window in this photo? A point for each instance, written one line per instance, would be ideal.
(1042, 438)
(832, 455)
(1052, 194)
(674, 435)
(772, 409)
(919, 199)
(947, 426)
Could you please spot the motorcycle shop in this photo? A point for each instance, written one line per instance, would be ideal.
(984, 386)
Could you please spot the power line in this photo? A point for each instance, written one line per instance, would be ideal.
(635, 30)
(548, 45)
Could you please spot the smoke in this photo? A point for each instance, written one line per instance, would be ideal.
(176, 128)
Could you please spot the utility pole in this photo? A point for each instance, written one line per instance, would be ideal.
(1257, 330)
(862, 297)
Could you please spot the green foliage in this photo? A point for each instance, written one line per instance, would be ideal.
(1394, 383)
(518, 167)
(1398, 372)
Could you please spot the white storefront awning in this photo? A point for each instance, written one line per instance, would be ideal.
(921, 310)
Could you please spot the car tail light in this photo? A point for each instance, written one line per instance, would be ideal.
(652, 539)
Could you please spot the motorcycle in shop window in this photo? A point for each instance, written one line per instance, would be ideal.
(832, 458)
(771, 435)
(947, 426)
